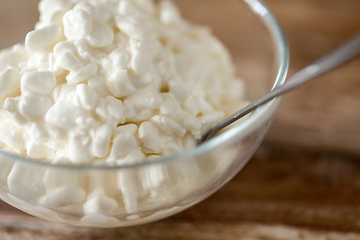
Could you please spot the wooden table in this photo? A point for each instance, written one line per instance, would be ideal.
(303, 183)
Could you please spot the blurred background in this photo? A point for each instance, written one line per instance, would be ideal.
(304, 181)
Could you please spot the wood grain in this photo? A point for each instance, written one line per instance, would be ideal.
(303, 183)
(323, 114)
(13, 21)
(317, 194)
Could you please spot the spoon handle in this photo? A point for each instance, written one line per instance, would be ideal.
(339, 56)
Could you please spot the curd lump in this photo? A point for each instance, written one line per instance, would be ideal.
(113, 82)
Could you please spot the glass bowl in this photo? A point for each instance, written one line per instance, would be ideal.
(142, 193)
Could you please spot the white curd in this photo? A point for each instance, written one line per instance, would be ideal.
(99, 80)
(108, 82)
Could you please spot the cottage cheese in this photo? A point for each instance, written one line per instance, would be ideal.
(113, 82)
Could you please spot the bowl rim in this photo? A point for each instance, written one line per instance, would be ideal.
(280, 42)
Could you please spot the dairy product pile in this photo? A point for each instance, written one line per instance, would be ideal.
(113, 82)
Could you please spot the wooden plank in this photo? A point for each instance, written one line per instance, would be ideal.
(16, 19)
(323, 114)
(289, 186)
(316, 193)
(20, 228)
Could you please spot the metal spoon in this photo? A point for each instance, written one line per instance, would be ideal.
(334, 59)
